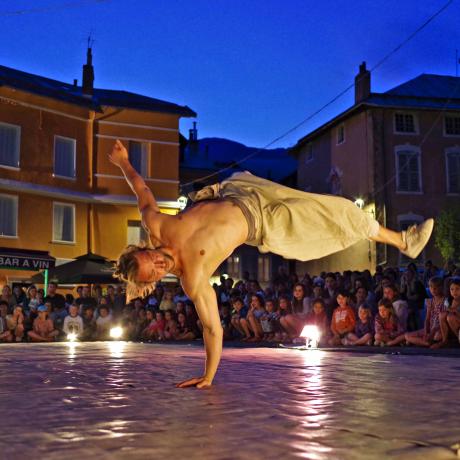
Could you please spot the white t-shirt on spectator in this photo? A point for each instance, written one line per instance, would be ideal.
(73, 324)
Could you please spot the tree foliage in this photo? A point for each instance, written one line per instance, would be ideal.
(447, 233)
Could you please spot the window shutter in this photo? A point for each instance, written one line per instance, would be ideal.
(9, 145)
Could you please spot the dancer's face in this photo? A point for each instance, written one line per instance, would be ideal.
(153, 266)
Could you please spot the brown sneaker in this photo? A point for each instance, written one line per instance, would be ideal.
(416, 237)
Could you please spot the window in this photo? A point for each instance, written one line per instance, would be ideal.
(309, 153)
(233, 266)
(138, 156)
(408, 175)
(8, 216)
(136, 233)
(405, 123)
(341, 134)
(10, 136)
(452, 125)
(263, 266)
(453, 170)
(404, 222)
(64, 223)
(64, 156)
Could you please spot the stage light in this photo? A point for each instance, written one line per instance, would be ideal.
(312, 335)
(359, 202)
(72, 336)
(182, 202)
(116, 332)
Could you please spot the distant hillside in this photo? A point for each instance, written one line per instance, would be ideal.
(216, 153)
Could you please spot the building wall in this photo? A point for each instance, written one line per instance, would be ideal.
(100, 228)
(433, 197)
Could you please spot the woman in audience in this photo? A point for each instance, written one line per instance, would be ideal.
(15, 323)
(450, 319)
(183, 332)
(167, 302)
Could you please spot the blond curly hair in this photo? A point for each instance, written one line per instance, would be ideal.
(126, 270)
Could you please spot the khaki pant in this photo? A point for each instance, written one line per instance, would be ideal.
(291, 223)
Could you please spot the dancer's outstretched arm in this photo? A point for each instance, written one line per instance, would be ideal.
(204, 297)
(145, 199)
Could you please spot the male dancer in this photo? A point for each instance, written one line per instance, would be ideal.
(241, 209)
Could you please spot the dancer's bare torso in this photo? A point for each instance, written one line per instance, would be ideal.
(200, 238)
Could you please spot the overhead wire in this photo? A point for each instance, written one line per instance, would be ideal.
(330, 102)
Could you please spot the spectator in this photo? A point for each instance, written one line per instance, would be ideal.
(128, 322)
(267, 321)
(364, 329)
(15, 323)
(119, 301)
(155, 330)
(330, 294)
(170, 330)
(226, 320)
(429, 272)
(414, 291)
(317, 317)
(7, 296)
(54, 298)
(388, 330)
(97, 293)
(256, 311)
(167, 302)
(431, 335)
(43, 328)
(183, 332)
(85, 300)
(73, 322)
(5, 334)
(19, 295)
(179, 295)
(284, 331)
(400, 307)
(300, 301)
(449, 320)
(193, 322)
(89, 325)
(239, 322)
(343, 319)
(103, 322)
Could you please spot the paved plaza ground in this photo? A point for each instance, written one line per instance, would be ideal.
(116, 400)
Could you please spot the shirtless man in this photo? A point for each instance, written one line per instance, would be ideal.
(243, 209)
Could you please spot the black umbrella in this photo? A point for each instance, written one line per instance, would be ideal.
(86, 269)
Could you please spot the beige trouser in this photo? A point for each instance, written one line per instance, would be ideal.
(291, 223)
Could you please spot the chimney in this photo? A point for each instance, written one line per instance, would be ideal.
(88, 73)
(362, 84)
(193, 133)
(75, 82)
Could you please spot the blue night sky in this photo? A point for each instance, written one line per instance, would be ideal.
(251, 69)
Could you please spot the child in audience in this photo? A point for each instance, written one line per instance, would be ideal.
(89, 324)
(43, 328)
(155, 330)
(267, 321)
(73, 322)
(239, 314)
(170, 329)
(364, 329)
(103, 323)
(390, 292)
(343, 319)
(388, 330)
(430, 335)
(256, 311)
(183, 332)
(5, 334)
(318, 317)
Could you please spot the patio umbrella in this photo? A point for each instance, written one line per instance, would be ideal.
(86, 269)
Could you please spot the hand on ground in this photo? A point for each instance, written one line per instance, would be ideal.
(199, 382)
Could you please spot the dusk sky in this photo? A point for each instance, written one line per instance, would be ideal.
(251, 69)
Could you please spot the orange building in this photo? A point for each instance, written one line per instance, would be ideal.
(396, 153)
(58, 191)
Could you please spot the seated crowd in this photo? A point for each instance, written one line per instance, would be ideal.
(349, 309)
